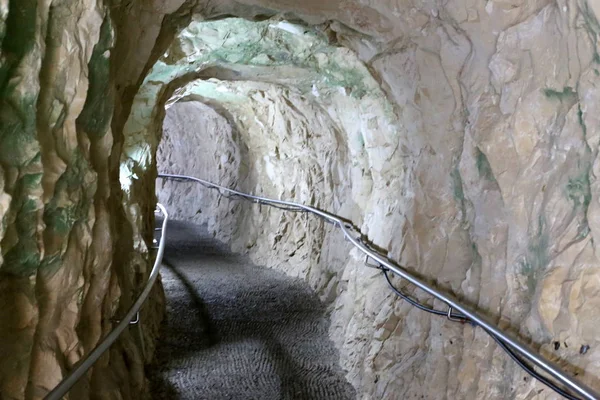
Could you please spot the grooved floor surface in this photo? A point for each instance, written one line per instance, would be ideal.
(236, 331)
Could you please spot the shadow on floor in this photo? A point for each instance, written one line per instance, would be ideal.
(240, 332)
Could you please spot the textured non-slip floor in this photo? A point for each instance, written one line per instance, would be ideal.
(236, 331)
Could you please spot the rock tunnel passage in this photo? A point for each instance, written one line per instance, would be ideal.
(462, 137)
(238, 331)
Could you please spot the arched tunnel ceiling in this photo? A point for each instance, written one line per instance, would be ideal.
(271, 51)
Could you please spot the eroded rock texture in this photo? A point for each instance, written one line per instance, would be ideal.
(485, 182)
(460, 136)
(67, 267)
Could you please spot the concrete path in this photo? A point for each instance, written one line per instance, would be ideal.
(239, 332)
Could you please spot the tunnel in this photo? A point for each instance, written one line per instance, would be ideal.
(392, 200)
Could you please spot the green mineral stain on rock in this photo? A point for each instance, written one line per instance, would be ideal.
(361, 140)
(20, 27)
(32, 181)
(477, 260)
(60, 217)
(24, 258)
(18, 133)
(350, 79)
(241, 42)
(581, 120)
(537, 258)
(243, 53)
(74, 191)
(483, 166)
(239, 45)
(567, 94)
(578, 190)
(97, 111)
(528, 271)
(592, 26)
(583, 230)
(60, 220)
(458, 192)
(212, 90)
(17, 108)
(457, 185)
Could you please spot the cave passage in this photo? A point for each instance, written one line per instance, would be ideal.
(289, 112)
(276, 109)
(233, 330)
(460, 138)
(238, 331)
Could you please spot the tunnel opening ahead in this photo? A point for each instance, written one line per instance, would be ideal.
(198, 141)
(302, 111)
(277, 135)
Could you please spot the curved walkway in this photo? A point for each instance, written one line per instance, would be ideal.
(236, 331)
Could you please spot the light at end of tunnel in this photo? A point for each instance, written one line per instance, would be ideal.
(126, 176)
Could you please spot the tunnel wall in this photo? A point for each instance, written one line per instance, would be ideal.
(496, 124)
(68, 267)
(297, 159)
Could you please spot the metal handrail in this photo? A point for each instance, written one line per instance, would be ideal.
(84, 365)
(354, 236)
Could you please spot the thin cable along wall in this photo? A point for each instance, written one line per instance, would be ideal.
(523, 355)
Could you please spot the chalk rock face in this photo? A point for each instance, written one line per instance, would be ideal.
(67, 270)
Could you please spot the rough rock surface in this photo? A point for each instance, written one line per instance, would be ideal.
(461, 136)
(67, 268)
(488, 188)
(239, 331)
